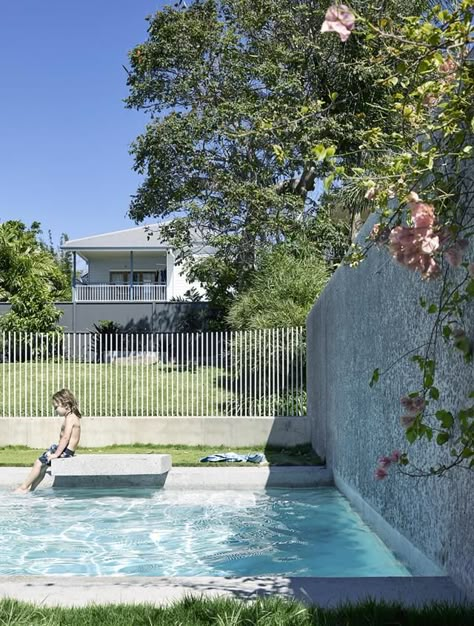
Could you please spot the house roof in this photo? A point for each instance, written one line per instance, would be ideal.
(137, 238)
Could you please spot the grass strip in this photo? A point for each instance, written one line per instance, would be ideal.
(230, 612)
(183, 456)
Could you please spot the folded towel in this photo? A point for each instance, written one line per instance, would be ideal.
(232, 457)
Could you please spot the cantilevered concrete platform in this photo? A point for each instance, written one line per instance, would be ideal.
(111, 470)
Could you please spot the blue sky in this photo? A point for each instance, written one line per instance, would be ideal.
(64, 130)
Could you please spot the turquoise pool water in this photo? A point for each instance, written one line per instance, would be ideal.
(144, 532)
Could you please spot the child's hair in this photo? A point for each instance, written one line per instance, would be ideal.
(67, 399)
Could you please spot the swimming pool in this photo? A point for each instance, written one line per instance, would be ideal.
(147, 532)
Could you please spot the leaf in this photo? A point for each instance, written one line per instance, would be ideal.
(425, 66)
(442, 438)
(375, 377)
(328, 181)
(447, 332)
(445, 417)
(319, 151)
(411, 435)
(432, 308)
(434, 393)
(428, 381)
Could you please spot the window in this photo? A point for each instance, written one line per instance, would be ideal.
(141, 277)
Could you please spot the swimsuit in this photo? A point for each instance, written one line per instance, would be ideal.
(52, 449)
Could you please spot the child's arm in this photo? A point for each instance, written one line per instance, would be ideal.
(65, 438)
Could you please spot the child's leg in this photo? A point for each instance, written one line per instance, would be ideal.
(37, 481)
(38, 469)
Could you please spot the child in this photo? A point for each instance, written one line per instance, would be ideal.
(65, 405)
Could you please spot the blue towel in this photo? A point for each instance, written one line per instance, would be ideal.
(232, 457)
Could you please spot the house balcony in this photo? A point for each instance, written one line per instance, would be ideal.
(107, 292)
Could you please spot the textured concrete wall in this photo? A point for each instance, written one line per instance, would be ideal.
(40, 432)
(368, 317)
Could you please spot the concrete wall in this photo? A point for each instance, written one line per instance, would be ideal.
(40, 432)
(133, 316)
(368, 317)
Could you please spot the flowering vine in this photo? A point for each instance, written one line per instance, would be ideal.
(421, 182)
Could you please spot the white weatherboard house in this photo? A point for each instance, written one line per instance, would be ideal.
(133, 265)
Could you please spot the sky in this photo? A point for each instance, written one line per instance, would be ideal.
(64, 129)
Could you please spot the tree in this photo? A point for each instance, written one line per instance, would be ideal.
(30, 279)
(282, 290)
(242, 95)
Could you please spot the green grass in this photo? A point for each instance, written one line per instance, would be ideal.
(113, 389)
(184, 456)
(228, 612)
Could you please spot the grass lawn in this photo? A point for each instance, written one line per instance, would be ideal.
(113, 389)
(184, 456)
(226, 612)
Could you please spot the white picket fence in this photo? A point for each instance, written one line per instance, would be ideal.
(245, 373)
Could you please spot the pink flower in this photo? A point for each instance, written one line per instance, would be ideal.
(407, 420)
(413, 197)
(384, 461)
(448, 68)
(422, 214)
(339, 19)
(414, 246)
(430, 100)
(381, 473)
(455, 253)
(395, 456)
(379, 234)
(470, 269)
(459, 333)
(413, 405)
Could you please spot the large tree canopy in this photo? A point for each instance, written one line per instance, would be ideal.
(248, 102)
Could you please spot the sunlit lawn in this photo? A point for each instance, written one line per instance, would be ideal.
(122, 389)
(114, 389)
(181, 455)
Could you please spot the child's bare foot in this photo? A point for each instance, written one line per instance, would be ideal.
(21, 490)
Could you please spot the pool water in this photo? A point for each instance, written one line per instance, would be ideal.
(145, 532)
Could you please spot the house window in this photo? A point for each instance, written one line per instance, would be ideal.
(139, 277)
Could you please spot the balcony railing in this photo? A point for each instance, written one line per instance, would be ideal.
(119, 293)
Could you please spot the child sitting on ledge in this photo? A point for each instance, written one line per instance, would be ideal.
(65, 404)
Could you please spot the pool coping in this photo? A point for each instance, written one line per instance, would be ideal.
(259, 477)
(159, 591)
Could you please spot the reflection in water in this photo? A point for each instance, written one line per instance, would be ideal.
(146, 532)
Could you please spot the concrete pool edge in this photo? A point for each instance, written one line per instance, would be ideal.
(417, 562)
(159, 591)
(222, 477)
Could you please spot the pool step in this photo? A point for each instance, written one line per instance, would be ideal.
(111, 470)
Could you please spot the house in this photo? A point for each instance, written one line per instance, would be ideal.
(132, 279)
(133, 265)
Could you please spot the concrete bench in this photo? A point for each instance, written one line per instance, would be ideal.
(111, 470)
